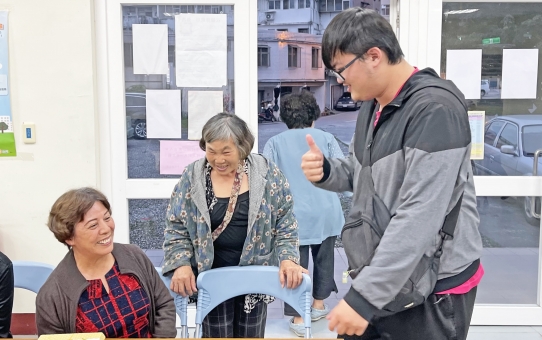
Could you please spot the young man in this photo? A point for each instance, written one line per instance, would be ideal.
(6, 295)
(414, 128)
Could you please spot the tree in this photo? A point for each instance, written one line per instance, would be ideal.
(3, 126)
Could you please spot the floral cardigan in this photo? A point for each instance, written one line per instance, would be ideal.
(272, 227)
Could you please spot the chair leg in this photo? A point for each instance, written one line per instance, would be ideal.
(197, 332)
(308, 334)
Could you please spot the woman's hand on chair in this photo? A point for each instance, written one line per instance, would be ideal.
(183, 281)
(291, 274)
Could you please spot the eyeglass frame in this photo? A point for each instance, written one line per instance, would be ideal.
(338, 74)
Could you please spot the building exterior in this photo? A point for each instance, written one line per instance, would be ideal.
(293, 29)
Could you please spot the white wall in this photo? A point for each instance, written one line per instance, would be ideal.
(52, 84)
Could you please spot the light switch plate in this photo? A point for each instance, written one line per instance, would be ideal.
(29, 133)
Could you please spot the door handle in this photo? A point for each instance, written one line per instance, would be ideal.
(535, 173)
(491, 157)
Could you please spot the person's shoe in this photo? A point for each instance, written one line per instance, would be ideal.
(317, 314)
(297, 328)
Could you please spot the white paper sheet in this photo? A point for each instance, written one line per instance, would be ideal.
(163, 113)
(202, 105)
(464, 68)
(519, 74)
(201, 44)
(150, 49)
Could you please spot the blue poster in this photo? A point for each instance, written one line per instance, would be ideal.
(7, 139)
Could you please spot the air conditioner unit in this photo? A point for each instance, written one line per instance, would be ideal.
(269, 16)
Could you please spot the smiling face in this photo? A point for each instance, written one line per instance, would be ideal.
(223, 156)
(93, 236)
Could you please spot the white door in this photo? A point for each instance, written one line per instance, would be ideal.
(154, 93)
(509, 293)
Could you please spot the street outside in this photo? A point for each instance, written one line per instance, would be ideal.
(502, 219)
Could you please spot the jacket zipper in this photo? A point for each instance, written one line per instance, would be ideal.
(360, 222)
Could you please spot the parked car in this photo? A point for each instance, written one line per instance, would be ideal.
(509, 146)
(484, 87)
(345, 102)
(136, 109)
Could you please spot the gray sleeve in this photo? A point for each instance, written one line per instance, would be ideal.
(339, 172)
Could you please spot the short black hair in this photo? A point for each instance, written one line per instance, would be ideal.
(299, 110)
(357, 30)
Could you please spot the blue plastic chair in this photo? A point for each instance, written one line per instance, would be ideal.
(218, 285)
(31, 275)
(181, 303)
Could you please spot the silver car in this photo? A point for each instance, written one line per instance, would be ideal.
(510, 143)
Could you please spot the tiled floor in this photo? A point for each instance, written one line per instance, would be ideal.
(511, 277)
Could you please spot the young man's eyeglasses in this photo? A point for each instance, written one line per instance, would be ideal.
(341, 70)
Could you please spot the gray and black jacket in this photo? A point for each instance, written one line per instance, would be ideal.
(420, 159)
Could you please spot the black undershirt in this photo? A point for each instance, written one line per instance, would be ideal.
(229, 245)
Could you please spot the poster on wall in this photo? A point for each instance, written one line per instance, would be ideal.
(477, 123)
(7, 138)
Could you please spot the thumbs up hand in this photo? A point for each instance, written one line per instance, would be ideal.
(312, 161)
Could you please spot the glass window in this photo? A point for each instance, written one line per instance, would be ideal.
(293, 56)
(509, 136)
(288, 4)
(494, 27)
(346, 4)
(316, 60)
(532, 139)
(143, 153)
(302, 30)
(492, 131)
(274, 4)
(263, 56)
(385, 10)
(304, 4)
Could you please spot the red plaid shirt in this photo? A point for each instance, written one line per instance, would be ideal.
(121, 313)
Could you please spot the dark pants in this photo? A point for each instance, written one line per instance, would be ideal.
(6, 295)
(323, 282)
(441, 317)
(229, 320)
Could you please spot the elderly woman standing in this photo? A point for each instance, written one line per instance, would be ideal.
(231, 208)
(318, 211)
(100, 286)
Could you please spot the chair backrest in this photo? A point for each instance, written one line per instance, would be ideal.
(181, 303)
(218, 285)
(31, 275)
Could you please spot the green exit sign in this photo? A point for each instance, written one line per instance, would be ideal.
(488, 41)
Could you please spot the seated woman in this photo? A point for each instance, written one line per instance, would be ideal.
(100, 286)
(231, 208)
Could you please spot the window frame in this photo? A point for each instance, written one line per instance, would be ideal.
(316, 63)
(294, 56)
(260, 54)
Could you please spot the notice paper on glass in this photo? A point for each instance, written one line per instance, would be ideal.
(202, 105)
(477, 123)
(176, 155)
(150, 49)
(519, 74)
(201, 44)
(163, 113)
(464, 68)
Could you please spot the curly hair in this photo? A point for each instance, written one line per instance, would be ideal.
(299, 110)
(70, 209)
